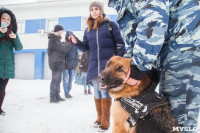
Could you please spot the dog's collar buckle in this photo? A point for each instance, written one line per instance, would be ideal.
(132, 121)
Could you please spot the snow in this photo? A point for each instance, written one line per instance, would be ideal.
(28, 109)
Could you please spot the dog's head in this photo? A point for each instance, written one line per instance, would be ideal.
(113, 77)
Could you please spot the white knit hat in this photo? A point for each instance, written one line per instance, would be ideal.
(98, 4)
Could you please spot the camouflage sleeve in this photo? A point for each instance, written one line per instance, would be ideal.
(116, 4)
(151, 30)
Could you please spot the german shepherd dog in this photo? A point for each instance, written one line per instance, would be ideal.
(112, 79)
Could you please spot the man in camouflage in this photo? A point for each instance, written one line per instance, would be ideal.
(165, 34)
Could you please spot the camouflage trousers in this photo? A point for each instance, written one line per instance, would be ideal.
(180, 81)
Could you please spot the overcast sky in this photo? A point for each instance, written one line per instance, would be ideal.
(3, 2)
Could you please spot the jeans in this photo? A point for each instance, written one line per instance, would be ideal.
(97, 93)
(67, 80)
(85, 81)
(55, 84)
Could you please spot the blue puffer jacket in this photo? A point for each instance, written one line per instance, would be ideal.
(101, 46)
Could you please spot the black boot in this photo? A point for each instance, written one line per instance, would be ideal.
(59, 98)
(53, 100)
(2, 95)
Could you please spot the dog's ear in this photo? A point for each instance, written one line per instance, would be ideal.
(128, 60)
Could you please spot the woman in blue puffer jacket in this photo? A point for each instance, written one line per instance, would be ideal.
(101, 43)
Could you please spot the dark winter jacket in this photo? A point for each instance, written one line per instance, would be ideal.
(84, 61)
(56, 52)
(101, 46)
(7, 65)
(71, 57)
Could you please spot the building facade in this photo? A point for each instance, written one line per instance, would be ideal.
(35, 20)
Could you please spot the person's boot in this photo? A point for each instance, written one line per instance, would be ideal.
(2, 95)
(98, 109)
(105, 117)
(89, 91)
(53, 100)
(59, 98)
(85, 92)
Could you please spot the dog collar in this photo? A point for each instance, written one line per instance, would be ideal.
(140, 106)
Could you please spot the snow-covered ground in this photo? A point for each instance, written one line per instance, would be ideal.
(28, 110)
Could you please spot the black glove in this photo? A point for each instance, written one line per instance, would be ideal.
(136, 73)
(154, 75)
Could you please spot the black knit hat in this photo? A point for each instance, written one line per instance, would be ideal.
(58, 28)
(12, 16)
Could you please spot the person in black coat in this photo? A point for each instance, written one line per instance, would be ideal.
(102, 44)
(71, 61)
(56, 54)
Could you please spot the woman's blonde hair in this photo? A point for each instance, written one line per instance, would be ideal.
(97, 22)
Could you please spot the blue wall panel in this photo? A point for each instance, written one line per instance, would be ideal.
(32, 26)
(70, 23)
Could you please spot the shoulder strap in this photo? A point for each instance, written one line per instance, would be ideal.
(110, 29)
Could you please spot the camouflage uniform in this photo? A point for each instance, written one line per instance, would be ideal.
(165, 34)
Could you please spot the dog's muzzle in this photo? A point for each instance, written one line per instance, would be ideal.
(107, 82)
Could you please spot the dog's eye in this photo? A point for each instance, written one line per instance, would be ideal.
(120, 69)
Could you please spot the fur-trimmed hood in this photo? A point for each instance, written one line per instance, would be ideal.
(13, 18)
(53, 35)
(106, 18)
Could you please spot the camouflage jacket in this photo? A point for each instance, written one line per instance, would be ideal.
(154, 28)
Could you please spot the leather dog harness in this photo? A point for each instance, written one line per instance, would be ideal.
(140, 106)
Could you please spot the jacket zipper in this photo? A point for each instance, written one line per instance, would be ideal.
(98, 58)
(4, 63)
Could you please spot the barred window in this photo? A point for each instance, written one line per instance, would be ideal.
(51, 24)
(21, 26)
(83, 23)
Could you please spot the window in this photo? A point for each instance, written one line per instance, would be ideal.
(83, 23)
(21, 27)
(50, 24)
